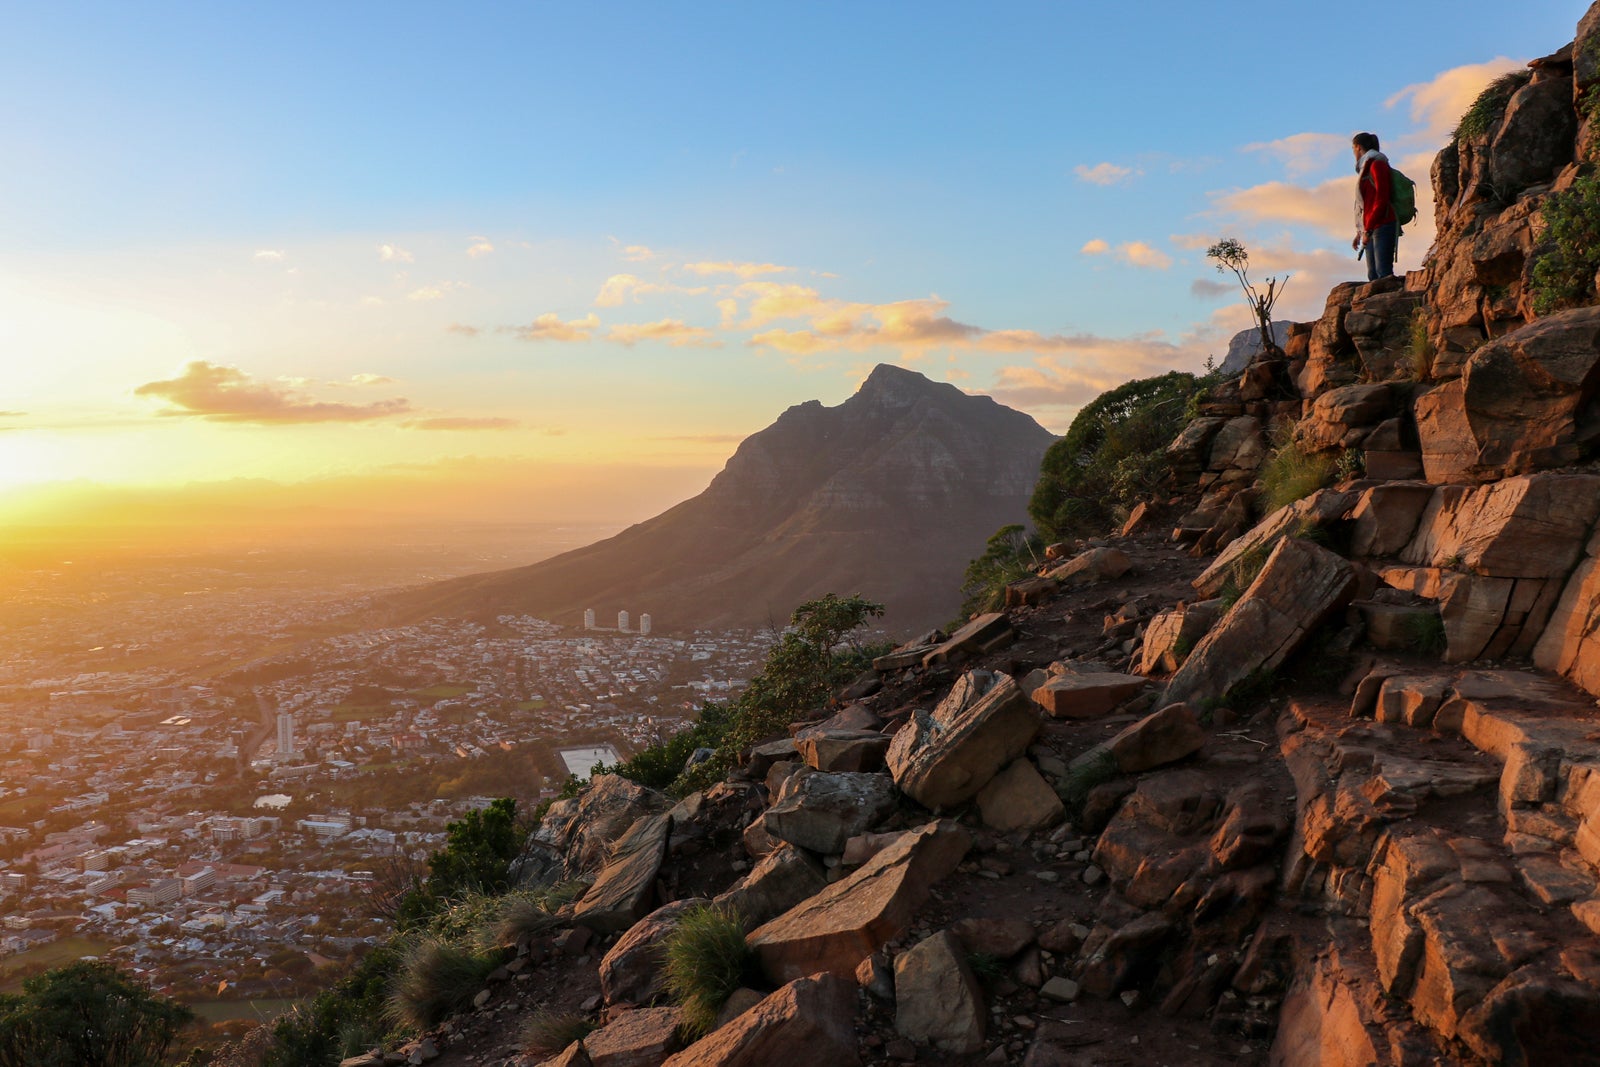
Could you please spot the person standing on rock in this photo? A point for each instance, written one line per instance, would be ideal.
(1377, 230)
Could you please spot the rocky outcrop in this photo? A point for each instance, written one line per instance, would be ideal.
(942, 759)
(805, 1022)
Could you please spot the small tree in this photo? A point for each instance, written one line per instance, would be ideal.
(476, 857)
(1230, 255)
(87, 1014)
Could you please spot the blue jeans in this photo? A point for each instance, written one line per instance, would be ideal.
(1380, 251)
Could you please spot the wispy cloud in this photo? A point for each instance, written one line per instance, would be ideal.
(1104, 173)
(461, 422)
(481, 246)
(226, 394)
(436, 291)
(1326, 206)
(549, 327)
(620, 288)
(1134, 253)
(463, 329)
(741, 270)
(394, 254)
(1304, 153)
(270, 255)
(671, 331)
(638, 253)
(371, 379)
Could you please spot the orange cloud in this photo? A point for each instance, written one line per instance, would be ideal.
(620, 288)
(1133, 253)
(1095, 247)
(463, 329)
(549, 327)
(227, 394)
(1437, 105)
(742, 270)
(672, 331)
(637, 253)
(394, 254)
(1327, 206)
(481, 246)
(1104, 173)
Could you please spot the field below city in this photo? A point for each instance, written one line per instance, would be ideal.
(55, 954)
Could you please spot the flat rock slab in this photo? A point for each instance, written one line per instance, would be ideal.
(641, 1038)
(982, 634)
(1018, 798)
(1095, 565)
(839, 927)
(623, 893)
(822, 811)
(785, 876)
(810, 1021)
(1086, 696)
(944, 758)
(843, 750)
(937, 999)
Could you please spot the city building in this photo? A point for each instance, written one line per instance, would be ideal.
(622, 621)
(286, 735)
(644, 624)
(588, 619)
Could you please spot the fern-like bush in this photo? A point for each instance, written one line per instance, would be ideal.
(1291, 473)
(1490, 106)
(1563, 272)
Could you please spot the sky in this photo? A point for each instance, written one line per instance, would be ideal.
(553, 261)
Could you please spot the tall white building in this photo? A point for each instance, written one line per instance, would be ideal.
(588, 619)
(622, 621)
(644, 623)
(286, 749)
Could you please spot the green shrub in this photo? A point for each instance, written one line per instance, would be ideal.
(987, 967)
(1490, 107)
(1424, 633)
(338, 1022)
(546, 1033)
(476, 858)
(1564, 268)
(87, 1014)
(1291, 473)
(707, 959)
(1418, 359)
(436, 979)
(1113, 454)
(1095, 769)
(529, 912)
(1011, 555)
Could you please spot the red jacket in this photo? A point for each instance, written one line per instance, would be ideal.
(1377, 194)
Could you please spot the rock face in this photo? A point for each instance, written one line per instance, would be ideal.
(822, 811)
(580, 831)
(888, 494)
(625, 890)
(943, 759)
(631, 973)
(837, 928)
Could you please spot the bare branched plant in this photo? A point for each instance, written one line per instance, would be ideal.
(1230, 255)
(394, 876)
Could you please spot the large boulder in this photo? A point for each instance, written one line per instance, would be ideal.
(1534, 140)
(1322, 508)
(1300, 585)
(625, 890)
(839, 927)
(582, 829)
(632, 972)
(1532, 526)
(785, 876)
(1018, 798)
(808, 1021)
(1524, 402)
(641, 1038)
(982, 724)
(937, 998)
(822, 811)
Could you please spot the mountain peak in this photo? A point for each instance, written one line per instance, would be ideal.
(898, 386)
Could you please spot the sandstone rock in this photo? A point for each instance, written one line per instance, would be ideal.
(1086, 696)
(844, 750)
(1171, 635)
(1163, 737)
(1337, 415)
(808, 1021)
(572, 1056)
(1522, 527)
(822, 811)
(1124, 957)
(1330, 360)
(839, 927)
(1534, 140)
(1000, 938)
(983, 634)
(1321, 508)
(1018, 798)
(641, 1038)
(1518, 406)
(1240, 443)
(937, 999)
(1534, 1017)
(1399, 627)
(1385, 517)
(631, 973)
(1188, 452)
(1095, 565)
(1325, 1022)
(1299, 586)
(944, 759)
(582, 829)
(783, 878)
(623, 892)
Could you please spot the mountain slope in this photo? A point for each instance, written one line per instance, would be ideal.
(889, 494)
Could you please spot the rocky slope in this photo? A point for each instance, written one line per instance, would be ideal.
(889, 494)
(1318, 790)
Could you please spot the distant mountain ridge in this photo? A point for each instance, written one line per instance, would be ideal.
(888, 494)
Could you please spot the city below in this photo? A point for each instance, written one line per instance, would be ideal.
(212, 767)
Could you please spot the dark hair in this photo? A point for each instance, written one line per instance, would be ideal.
(1367, 142)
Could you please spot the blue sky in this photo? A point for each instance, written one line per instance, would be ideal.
(389, 235)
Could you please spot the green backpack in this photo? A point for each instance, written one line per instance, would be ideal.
(1403, 195)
